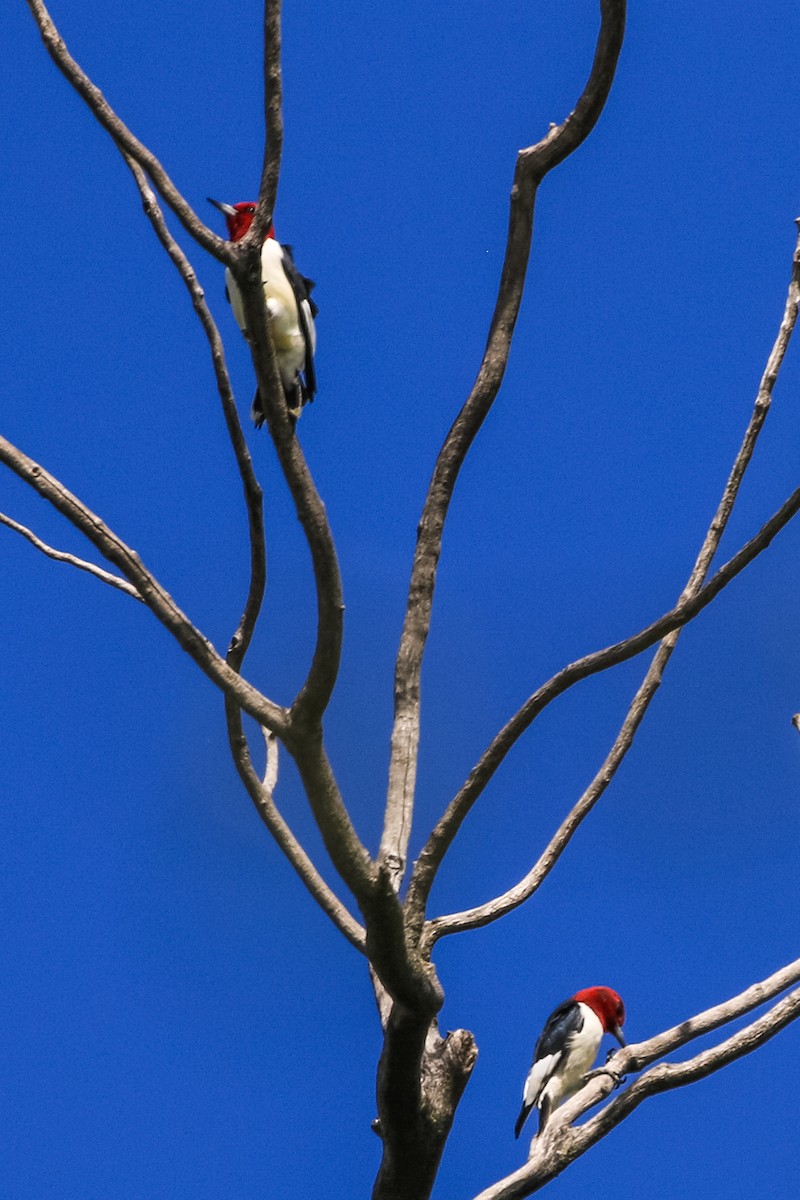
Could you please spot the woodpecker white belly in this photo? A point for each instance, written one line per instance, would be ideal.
(290, 307)
(559, 1075)
(288, 336)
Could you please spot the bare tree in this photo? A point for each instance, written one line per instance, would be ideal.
(385, 915)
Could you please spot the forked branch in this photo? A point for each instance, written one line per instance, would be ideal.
(160, 603)
(532, 165)
(260, 791)
(62, 556)
(524, 889)
(305, 743)
(600, 660)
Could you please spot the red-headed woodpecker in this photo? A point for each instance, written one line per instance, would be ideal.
(288, 297)
(567, 1048)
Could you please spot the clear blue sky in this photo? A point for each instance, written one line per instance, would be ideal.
(178, 1019)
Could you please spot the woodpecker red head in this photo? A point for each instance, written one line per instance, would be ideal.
(239, 218)
(288, 298)
(567, 1048)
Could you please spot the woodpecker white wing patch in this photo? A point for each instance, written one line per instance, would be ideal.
(538, 1076)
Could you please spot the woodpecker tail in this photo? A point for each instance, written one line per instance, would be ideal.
(258, 415)
(256, 411)
(545, 1108)
(522, 1118)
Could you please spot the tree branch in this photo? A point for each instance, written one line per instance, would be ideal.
(253, 495)
(121, 135)
(314, 695)
(421, 1078)
(160, 603)
(673, 1075)
(561, 1143)
(591, 664)
(61, 556)
(522, 891)
(532, 165)
(261, 793)
(273, 124)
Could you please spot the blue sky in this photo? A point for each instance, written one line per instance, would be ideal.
(178, 1019)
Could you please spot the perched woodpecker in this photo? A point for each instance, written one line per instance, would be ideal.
(567, 1048)
(291, 310)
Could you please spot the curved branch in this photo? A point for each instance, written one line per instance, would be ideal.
(261, 793)
(522, 891)
(121, 135)
(532, 165)
(314, 695)
(561, 1143)
(344, 847)
(591, 664)
(160, 603)
(61, 556)
(253, 495)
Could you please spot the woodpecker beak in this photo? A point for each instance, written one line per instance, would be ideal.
(228, 209)
(617, 1032)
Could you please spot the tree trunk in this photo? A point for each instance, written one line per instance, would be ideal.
(421, 1078)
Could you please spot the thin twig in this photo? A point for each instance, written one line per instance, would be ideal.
(532, 165)
(122, 136)
(140, 160)
(61, 556)
(157, 599)
(525, 888)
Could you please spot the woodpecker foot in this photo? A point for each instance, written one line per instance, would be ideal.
(615, 1075)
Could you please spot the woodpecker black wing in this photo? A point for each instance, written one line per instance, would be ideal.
(308, 284)
(307, 310)
(559, 1027)
(308, 379)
